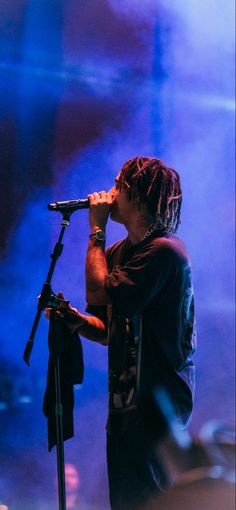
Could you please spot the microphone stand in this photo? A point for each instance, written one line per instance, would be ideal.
(55, 340)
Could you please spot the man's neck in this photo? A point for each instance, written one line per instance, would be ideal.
(138, 228)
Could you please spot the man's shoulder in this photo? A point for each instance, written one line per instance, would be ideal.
(115, 247)
(169, 245)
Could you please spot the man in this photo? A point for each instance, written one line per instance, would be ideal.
(140, 298)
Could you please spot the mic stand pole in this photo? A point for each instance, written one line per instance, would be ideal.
(55, 340)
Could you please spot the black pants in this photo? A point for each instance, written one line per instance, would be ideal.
(135, 474)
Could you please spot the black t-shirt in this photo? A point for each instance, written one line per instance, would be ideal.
(151, 280)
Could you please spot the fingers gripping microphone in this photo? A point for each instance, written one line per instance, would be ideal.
(69, 205)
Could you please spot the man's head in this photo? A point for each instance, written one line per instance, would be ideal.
(149, 182)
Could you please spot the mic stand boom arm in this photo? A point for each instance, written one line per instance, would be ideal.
(47, 297)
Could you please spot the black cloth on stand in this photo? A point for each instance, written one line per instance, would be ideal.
(71, 372)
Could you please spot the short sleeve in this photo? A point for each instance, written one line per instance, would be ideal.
(132, 286)
(99, 311)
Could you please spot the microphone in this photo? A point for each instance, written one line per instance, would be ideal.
(69, 205)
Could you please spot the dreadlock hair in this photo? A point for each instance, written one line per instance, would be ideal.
(149, 181)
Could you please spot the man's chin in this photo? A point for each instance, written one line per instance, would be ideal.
(114, 217)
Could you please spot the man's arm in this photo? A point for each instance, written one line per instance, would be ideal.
(96, 264)
(92, 328)
(96, 272)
